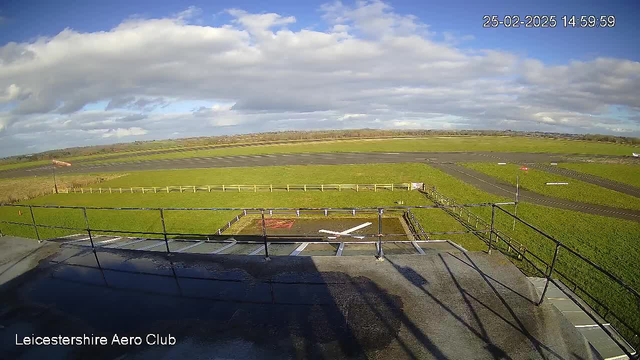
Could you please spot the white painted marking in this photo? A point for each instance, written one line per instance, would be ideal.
(223, 248)
(125, 244)
(346, 232)
(109, 241)
(591, 325)
(162, 242)
(258, 249)
(189, 246)
(299, 249)
(75, 241)
(418, 248)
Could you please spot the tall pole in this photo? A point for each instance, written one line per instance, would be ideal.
(515, 210)
(55, 184)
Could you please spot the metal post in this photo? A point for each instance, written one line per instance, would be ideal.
(380, 252)
(264, 236)
(86, 221)
(515, 210)
(553, 263)
(493, 217)
(164, 230)
(55, 184)
(33, 219)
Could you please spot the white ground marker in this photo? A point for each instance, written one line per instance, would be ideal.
(299, 249)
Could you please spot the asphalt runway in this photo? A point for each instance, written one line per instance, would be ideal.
(296, 159)
(444, 160)
(493, 186)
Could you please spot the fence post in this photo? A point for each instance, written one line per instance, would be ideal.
(357, 189)
(222, 188)
(553, 263)
(493, 216)
(287, 187)
(164, 230)
(380, 252)
(339, 187)
(109, 190)
(391, 187)
(264, 236)
(255, 188)
(271, 187)
(305, 187)
(35, 227)
(322, 187)
(375, 187)
(86, 221)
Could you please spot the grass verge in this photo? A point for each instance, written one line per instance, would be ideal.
(19, 189)
(435, 144)
(577, 190)
(626, 174)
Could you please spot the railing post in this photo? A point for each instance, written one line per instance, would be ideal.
(380, 253)
(264, 236)
(35, 227)
(164, 230)
(553, 263)
(493, 217)
(86, 221)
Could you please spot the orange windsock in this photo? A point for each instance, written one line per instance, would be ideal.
(60, 163)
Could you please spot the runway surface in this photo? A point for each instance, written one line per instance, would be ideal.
(493, 186)
(443, 160)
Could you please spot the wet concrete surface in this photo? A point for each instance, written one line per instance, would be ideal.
(19, 255)
(445, 306)
(494, 186)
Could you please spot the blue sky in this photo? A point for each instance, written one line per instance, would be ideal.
(29, 19)
(245, 66)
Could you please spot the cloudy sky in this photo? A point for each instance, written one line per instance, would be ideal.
(83, 74)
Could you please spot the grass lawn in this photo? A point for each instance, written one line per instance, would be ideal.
(577, 190)
(627, 174)
(457, 143)
(14, 189)
(611, 243)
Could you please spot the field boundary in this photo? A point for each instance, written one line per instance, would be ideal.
(243, 188)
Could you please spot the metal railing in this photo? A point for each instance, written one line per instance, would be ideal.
(459, 210)
(629, 332)
(91, 231)
(239, 188)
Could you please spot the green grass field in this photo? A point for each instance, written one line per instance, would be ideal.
(627, 174)
(577, 190)
(457, 143)
(610, 242)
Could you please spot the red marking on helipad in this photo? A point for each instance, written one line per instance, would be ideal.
(277, 223)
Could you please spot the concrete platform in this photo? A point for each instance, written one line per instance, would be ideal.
(465, 305)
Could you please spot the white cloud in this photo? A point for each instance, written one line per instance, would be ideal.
(120, 132)
(373, 67)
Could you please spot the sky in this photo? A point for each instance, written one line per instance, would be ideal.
(94, 72)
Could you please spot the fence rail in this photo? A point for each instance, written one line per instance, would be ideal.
(244, 188)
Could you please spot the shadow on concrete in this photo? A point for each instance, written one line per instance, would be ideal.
(223, 307)
(478, 327)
